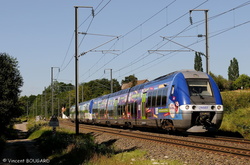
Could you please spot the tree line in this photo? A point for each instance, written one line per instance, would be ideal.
(235, 80)
(64, 96)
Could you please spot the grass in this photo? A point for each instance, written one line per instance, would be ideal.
(238, 121)
(234, 100)
(136, 157)
(236, 112)
(65, 147)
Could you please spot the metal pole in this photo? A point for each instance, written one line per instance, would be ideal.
(207, 46)
(36, 106)
(45, 103)
(76, 71)
(76, 65)
(52, 110)
(111, 81)
(52, 90)
(206, 31)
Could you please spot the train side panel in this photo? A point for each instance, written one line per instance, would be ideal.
(183, 100)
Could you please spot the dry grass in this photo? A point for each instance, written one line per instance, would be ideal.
(137, 157)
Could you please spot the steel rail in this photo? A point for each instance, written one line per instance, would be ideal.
(220, 149)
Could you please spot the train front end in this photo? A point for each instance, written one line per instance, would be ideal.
(199, 102)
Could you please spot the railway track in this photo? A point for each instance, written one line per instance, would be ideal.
(224, 139)
(200, 146)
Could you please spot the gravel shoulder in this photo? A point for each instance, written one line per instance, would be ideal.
(164, 152)
(157, 151)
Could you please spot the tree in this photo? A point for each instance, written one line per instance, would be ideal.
(198, 62)
(129, 79)
(242, 81)
(222, 83)
(233, 70)
(10, 83)
(98, 88)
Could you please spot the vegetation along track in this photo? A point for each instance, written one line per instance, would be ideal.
(203, 146)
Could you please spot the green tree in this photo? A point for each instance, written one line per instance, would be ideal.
(222, 83)
(60, 87)
(10, 83)
(198, 62)
(242, 81)
(129, 79)
(25, 103)
(98, 88)
(233, 70)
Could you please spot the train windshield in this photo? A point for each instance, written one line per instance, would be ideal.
(199, 87)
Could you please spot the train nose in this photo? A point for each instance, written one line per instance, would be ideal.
(204, 119)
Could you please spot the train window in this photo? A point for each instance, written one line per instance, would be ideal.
(149, 101)
(95, 110)
(172, 90)
(159, 96)
(199, 88)
(119, 111)
(102, 113)
(132, 110)
(164, 97)
(110, 109)
(154, 93)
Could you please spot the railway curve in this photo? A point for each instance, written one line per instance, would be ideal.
(233, 150)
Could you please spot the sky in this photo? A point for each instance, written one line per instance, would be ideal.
(147, 38)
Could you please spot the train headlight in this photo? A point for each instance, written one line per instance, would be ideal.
(187, 107)
(212, 107)
(193, 107)
(219, 107)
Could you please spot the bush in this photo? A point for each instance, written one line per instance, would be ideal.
(235, 100)
(2, 143)
(67, 148)
(33, 126)
(237, 122)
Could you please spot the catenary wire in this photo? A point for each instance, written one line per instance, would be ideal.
(242, 5)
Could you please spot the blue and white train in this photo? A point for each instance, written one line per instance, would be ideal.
(184, 100)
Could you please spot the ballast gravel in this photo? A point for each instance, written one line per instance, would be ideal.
(157, 151)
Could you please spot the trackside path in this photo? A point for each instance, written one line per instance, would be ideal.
(21, 151)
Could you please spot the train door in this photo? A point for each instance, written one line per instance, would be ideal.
(143, 105)
(134, 112)
(116, 114)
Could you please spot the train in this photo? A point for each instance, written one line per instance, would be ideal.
(185, 100)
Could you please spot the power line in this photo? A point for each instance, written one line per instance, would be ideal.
(146, 37)
(153, 64)
(242, 5)
(83, 38)
(134, 30)
(67, 54)
(157, 32)
(146, 54)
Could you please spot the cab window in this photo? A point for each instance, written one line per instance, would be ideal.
(199, 87)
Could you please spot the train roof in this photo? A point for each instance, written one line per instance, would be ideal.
(186, 74)
(193, 74)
